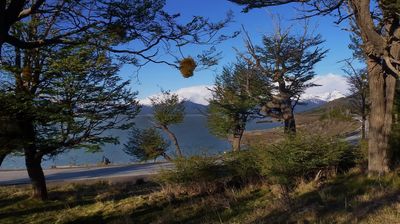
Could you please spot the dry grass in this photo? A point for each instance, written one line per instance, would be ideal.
(306, 123)
(351, 198)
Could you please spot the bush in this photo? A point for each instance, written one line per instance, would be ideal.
(306, 157)
(244, 167)
(194, 169)
(214, 173)
(286, 163)
(146, 144)
(336, 114)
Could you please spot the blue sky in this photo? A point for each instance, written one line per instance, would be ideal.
(152, 77)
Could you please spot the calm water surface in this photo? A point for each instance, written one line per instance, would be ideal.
(192, 134)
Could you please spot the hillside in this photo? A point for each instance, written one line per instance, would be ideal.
(326, 118)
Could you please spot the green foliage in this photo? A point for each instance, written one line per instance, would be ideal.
(194, 169)
(168, 109)
(236, 95)
(78, 98)
(233, 169)
(286, 163)
(134, 31)
(244, 166)
(336, 114)
(146, 144)
(302, 157)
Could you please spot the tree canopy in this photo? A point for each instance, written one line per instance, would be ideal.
(168, 110)
(146, 144)
(134, 31)
(236, 97)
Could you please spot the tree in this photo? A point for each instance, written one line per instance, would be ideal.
(134, 31)
(147, 144)
(235, 99)
(379, 27)
(168, 110)
(69, 102)
(287, 61)
(357, 79)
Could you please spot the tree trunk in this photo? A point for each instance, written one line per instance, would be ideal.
(173, 139)
(290, 125)
(382, 89)
(2, 157)
(36, 175)
(237, 139)
(289, 120)
(33, 160)
(167, 157)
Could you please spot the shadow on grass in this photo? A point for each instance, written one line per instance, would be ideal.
(336, 198)
(72, 196)
(10, 201)
(187, 209)
(198, 209)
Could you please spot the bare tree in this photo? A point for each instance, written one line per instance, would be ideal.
(378, 23)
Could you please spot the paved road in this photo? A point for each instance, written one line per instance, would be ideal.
(16, 177)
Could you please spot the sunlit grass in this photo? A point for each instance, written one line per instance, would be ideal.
(350, 198)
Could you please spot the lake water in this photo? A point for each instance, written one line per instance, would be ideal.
(193, 136)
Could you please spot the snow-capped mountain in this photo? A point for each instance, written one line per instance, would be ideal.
(326, 97)
(201, 95)
(195, 94)
(331, 87)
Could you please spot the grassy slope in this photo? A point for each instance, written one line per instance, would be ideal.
(314, 121)
(351, 198)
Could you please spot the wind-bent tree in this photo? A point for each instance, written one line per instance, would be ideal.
(168, 110)
(288, 63)
(379, 28)
(357, 79)
(135, 31)
(235, 98)
(146, 145)
(66, 101)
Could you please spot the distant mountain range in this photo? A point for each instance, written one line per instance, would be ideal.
(326, 97)
(196, 100)
(190, 108)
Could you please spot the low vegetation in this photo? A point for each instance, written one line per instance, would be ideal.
(308, 179)
(347, 198)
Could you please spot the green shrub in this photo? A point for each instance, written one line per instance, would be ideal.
(304, 156)
(146, 144)
(230, 170)
(286, 163)
(243, 167)
(336, 114)
(194, 169)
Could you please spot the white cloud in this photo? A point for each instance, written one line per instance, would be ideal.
(329, 83)
(195, 94)
(333, 86)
